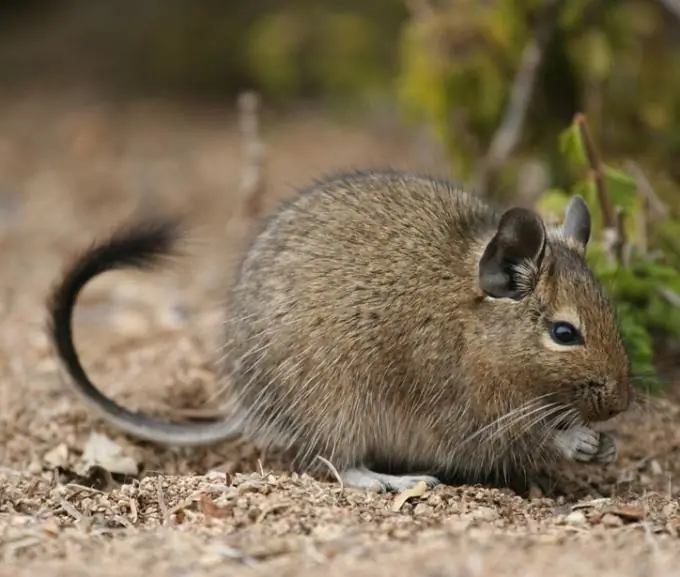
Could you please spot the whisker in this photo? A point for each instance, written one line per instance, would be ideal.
(570, 419)
(549, 410)
(539, 414)
(519, 416)
(508, 425)
(529, 406)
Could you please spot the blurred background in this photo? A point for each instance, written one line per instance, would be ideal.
(110, 107)
(451, 67)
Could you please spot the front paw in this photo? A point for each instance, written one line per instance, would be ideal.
(584, 445)
(578, 444)
(608, 451)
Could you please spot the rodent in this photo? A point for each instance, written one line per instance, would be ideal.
(399, 327)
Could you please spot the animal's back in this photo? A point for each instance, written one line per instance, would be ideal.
(344, 323)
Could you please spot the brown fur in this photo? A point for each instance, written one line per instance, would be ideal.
(358, 329)
(358, 332)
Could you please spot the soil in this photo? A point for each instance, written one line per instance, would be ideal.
(74, 166)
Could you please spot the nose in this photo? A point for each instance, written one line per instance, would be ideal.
(623, 395)
(609, 413)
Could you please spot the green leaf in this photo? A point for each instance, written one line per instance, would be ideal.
(622, 189)
(571, 146)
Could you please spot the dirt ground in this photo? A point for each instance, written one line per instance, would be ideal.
(73, 167)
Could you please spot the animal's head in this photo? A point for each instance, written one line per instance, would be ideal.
(547, 319)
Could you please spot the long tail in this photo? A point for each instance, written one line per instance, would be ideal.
(141, 245)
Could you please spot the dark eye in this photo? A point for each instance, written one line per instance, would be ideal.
(565, 334)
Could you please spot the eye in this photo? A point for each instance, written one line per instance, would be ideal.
(565, 334)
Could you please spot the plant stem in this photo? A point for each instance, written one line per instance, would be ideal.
(508, 134)
(655, 204)
(613, 217)
(597, 172)
(252, 181)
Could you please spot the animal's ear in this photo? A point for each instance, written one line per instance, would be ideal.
(514, 252)
(577, 221)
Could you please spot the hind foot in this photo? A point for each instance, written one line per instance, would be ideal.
(363, 478)
(586, 446)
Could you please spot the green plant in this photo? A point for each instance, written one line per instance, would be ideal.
(639, 270)
(462, 61)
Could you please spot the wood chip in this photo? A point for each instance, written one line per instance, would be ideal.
(210, 509)
(416, 491)
(270, 509)
(58, 456)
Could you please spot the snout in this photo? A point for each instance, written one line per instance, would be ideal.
(608, 398)
(622, 395)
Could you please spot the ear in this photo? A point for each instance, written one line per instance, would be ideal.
(517, 246)
(577, 221)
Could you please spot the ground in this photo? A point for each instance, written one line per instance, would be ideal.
(73, 167)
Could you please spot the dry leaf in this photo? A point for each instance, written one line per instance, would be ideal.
(180, 516)
(103, 452)
(628, 514)
(209, 508)
(592, 504)
(416, 491)
(51, 528)
(58, 456)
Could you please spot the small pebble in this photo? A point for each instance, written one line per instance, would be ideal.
(51, 528)
(484, 514)
(559, 519)
(670, 509)
(422, 510)
(610, 520)
(57, 456)
(576, 518)
(456, 525)
(435, 501)
(211, 560)
(550, 539)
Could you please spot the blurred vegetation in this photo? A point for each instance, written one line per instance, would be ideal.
(337, 49)
(616, 60)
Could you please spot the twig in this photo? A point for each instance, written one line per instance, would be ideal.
(597, 172)
(621, 248)
(656, 205)
(252, 184)
(509, 132)
(670, 296)
(270, 509)
(614, 237)
(641, 226)
(161, 501)
(333, 470)
(84, 521)
(673, 6)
